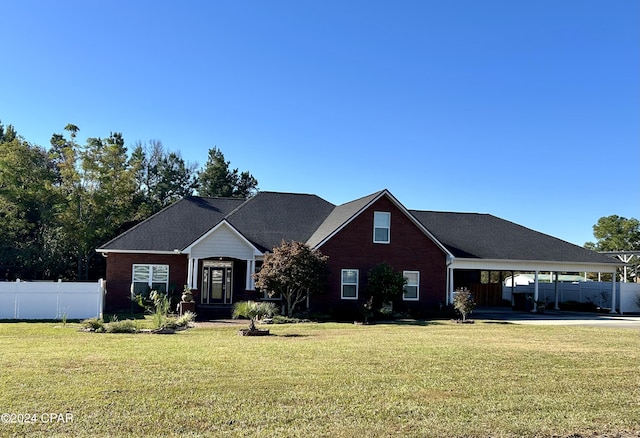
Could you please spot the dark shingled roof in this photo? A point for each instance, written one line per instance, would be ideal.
(473, 235)
(264, 220)
(269, 217)
(176, 226)
(339, 216)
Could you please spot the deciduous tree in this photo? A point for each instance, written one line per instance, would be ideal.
(293, 270)
(27, 205)
(162, 177)
(617, 233)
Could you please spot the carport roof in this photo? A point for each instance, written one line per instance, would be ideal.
(483, 236)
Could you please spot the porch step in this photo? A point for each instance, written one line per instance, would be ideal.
(206, 312)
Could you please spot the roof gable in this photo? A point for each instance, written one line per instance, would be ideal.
(344, 214)
(222, 237)
(339, 218)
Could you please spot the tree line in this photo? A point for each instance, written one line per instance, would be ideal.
(58, 204)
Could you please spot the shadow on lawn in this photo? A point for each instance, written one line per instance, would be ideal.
(498, 322)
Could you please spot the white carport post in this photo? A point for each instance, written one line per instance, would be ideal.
(556, 307)
(613, 293)
(535, 293)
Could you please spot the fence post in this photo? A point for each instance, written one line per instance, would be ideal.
(15, 300)
(58, 314)
(100, 303)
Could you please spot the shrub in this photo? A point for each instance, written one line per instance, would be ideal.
(160, 308)
(384, 284)
(463, 302)
(124, 326)
(281, 319)
(93, 324)
(186, 320)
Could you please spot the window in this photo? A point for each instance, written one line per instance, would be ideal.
(154, 277)
(381, 227)
(412, 288)
(349, 284)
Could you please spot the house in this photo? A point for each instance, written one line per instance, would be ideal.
(215, 245)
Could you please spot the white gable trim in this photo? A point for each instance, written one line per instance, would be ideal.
(234, 231)
(532, 265)
(401, 207)
(136, 251)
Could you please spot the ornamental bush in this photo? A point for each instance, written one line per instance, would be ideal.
(463, 302)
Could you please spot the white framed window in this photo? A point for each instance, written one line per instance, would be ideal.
(154, 277)
(349, 284)
(412, 288)
(381, 227)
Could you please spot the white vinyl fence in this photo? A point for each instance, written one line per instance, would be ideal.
(51, 300)
(596, 292)
(629, 297)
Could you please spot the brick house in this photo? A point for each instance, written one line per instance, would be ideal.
(214, 245)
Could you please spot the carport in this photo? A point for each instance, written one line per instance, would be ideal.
(482, 242)
(533, 266)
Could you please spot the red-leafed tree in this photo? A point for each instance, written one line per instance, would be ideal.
(294, 271)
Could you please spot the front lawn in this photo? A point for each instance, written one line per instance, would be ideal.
(334, 380)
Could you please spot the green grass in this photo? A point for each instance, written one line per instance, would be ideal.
(327, 380)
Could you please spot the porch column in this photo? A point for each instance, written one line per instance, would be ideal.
(189, 273)
(194, 274)
(451, 288)
(613, 293)
(251, 269)
(513, 288)
(535, 293)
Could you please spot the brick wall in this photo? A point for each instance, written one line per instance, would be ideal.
(119, 275)
(409, 250)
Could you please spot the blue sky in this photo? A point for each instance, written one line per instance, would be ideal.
(528, 110)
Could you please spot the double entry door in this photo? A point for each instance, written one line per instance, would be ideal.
(217, 282)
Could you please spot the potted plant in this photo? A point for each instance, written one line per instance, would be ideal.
(187, 295)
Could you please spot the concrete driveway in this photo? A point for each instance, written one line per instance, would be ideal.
(556, 317)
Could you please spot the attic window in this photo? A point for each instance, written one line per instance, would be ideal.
(381, 227)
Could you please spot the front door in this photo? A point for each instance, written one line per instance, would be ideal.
(217, 283)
